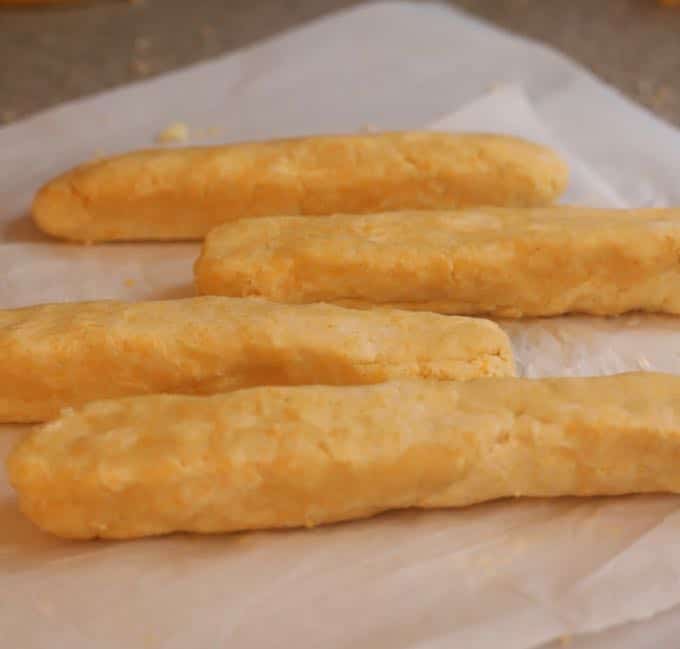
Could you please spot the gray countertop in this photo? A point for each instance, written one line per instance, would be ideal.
(49, 55)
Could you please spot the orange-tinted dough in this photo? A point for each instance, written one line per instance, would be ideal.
(293, 456)
(184, 193)
(61, 355)
(483, 261)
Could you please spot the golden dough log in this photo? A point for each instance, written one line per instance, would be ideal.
(292, 456)
(184, 193)
(60, 355)
(490, 261)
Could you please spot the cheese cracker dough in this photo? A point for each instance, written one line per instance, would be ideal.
(58, 355)
(184, 193)
(292, 456)
(492, 261)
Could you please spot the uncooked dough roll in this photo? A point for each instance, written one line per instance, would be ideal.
(184, 193)
(485, 261)
(60, 355)
(292, 456)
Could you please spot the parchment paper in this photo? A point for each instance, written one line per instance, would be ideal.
(510, 574)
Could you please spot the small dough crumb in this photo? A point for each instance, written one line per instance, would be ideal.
(129, 282)
(142, 44)
(497, 86)
(140, 67)
(176, 132)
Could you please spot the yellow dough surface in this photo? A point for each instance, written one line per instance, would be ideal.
(184, 193)
(59, 355)
(501, 262)
(273, 457)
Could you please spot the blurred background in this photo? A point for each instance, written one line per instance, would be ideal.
(50, 54)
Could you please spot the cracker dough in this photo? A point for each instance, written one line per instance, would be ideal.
(486, 261)
(300, 456)
(184, 193)
(61, 355)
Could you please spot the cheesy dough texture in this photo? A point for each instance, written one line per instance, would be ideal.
(273, 457)
(184, 193)
(59, 355)
(486, 261)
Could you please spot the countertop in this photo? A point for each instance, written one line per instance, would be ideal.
(56, 53)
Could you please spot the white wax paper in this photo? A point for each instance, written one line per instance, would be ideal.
(510, 574)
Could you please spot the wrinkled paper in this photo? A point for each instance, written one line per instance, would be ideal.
(512, 574)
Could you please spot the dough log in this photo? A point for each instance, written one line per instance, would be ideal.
(293, 456)
(60, 355)
(184, 193)
(486, 261)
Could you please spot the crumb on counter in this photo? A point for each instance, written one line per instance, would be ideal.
(140, 67)
(208, 32)
(142, 44)
(175, 132)
(129, 282)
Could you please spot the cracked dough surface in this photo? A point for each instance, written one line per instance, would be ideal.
(501, 262)
(59, 355)
(293, 456)
(184, 193)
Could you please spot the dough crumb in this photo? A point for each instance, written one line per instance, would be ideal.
(498, 85)
(7, 116)
(140, 67)
(643, 363)
(208, 34)
(142, 44)
(176, 132)
(129, 282)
